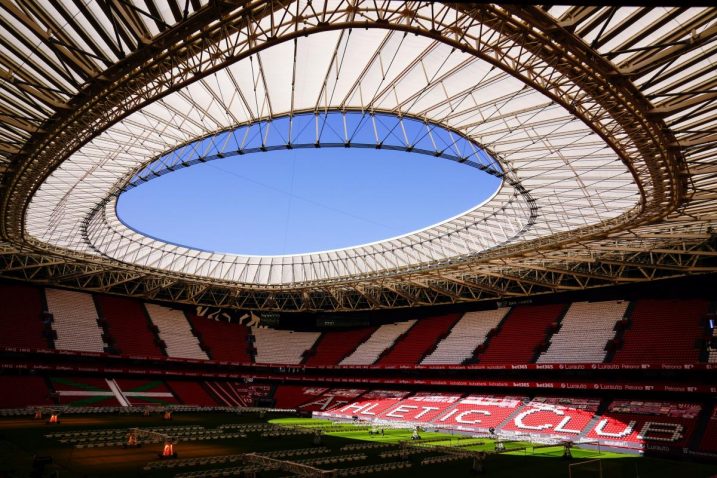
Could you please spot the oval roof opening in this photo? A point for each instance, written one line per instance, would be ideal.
(292, 199)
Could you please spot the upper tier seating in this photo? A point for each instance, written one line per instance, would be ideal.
(420, 339)
(385, 336)
(75, 321)
(663, 331)
(334, 346)
(225, 341)
(128, 325)
(20, 317)
(465, 337)
(16, 392)
(712, 351)
(521, 333)
(634, 424)
(175, 332)
(585, 330)
(709, 439)
(282, 346)
(192, 393)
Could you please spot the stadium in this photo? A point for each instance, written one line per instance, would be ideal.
(563, 326)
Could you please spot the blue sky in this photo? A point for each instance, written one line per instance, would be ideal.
(302, 200)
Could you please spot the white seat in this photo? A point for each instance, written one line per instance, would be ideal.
(585, 330)
(75, 321)
(465, 337)
(175, 332)
(382, 339)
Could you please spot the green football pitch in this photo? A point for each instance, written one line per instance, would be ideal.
(80, 446)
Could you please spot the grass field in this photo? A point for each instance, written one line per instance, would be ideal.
(20, 439)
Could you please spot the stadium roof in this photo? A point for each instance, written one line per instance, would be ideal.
(600, 121)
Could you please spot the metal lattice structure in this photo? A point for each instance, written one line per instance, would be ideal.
(600, 122)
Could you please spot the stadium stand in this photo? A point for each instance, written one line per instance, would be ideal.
(128, 325)
(175, 332)
(145, 392)
(418, 341)
(334, 398)
(20, 317)
(663, 331)
(421, 407)
(480, 413)
(634, 424)
(23, 391)
(75, 321)
(282, 346)
(562, 418)
(712, 350)
(475, 413)
(709, 438)
(293, 396)
(191, 393)
(368, 406)
(225, 341)
(381, 340)
(585, 330)
(86, 391)
(520, 334)
(465, 337)
(234, 394)
(334, 346)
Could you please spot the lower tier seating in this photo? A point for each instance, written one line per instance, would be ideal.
(85, 391)
(293, 396)
(192, 393)
(110, 392)
(236, 394)
(145, 392)
(333, 398)
(637, 424)
(448, 410)
(421, 407)
(554, 417)
(480, 413)
(369, 405)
